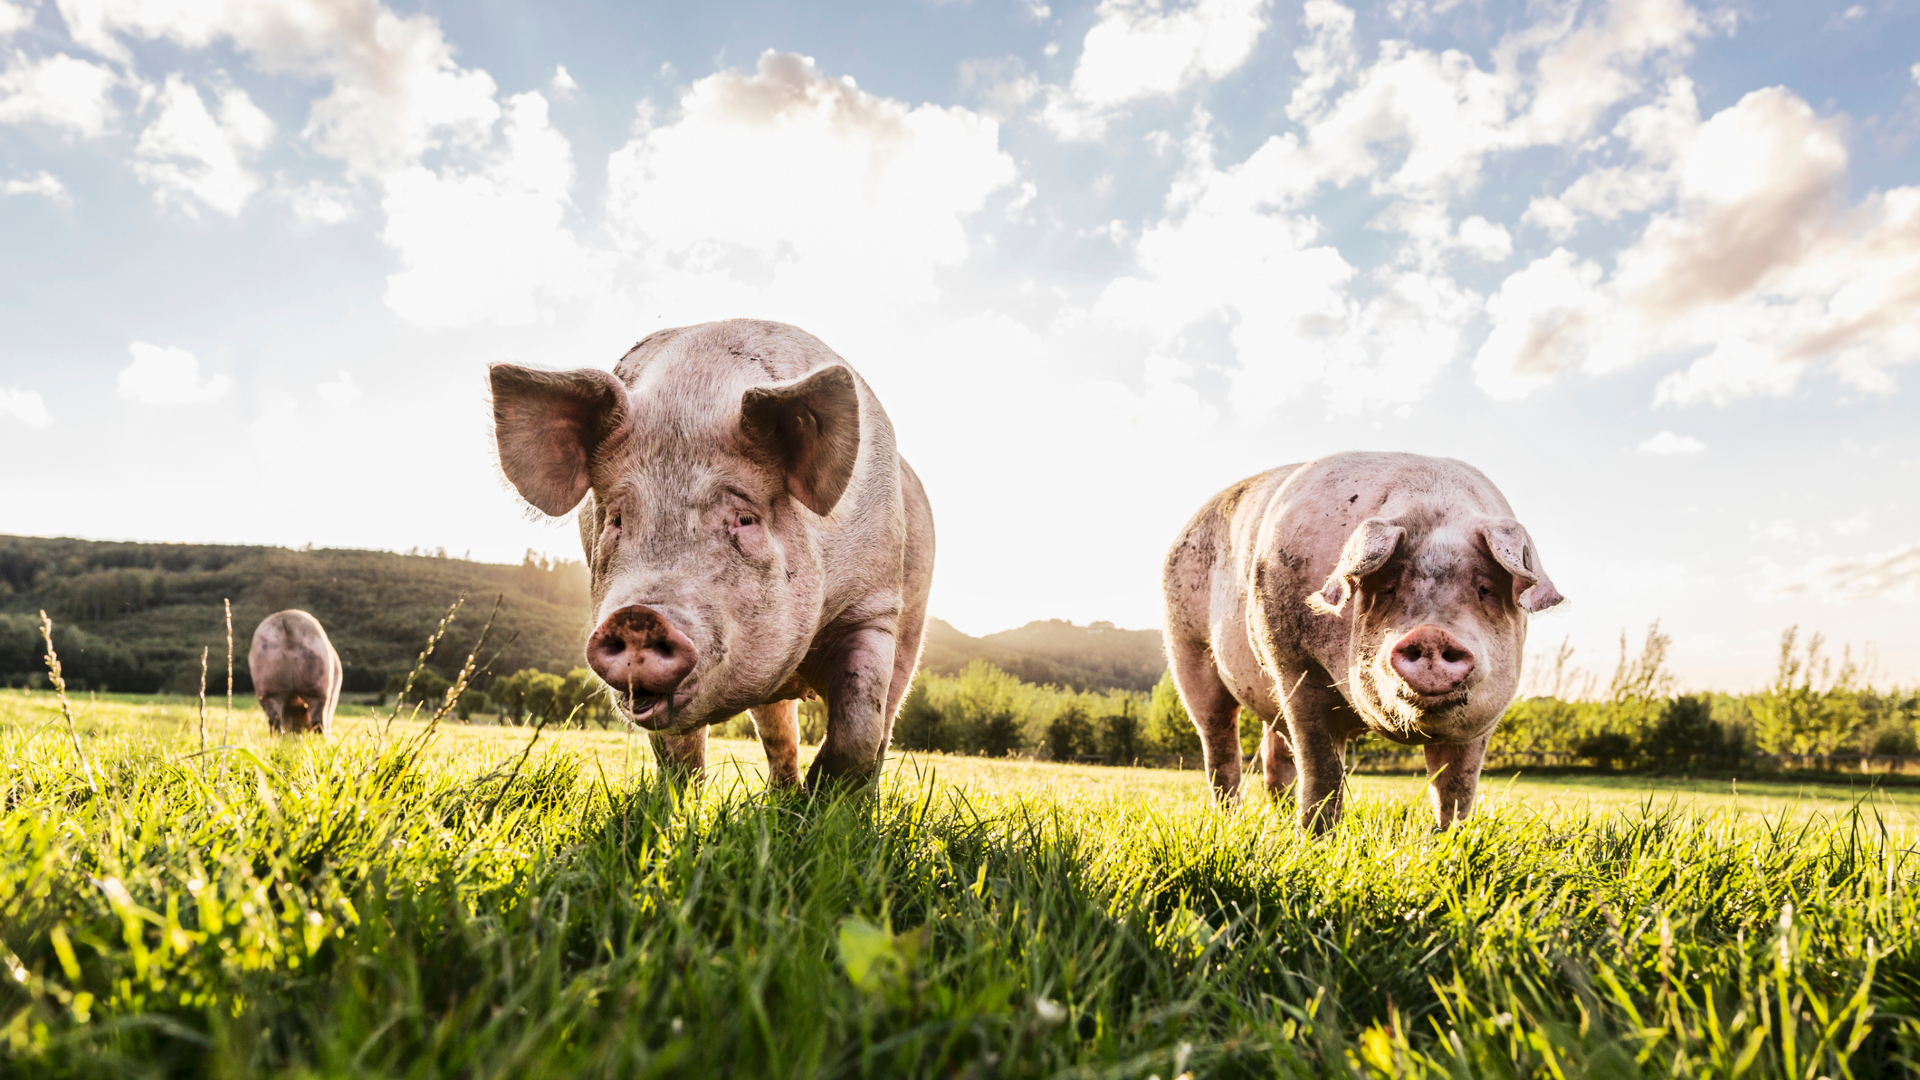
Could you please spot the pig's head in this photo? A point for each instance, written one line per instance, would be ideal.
(1439, 621)
(701, 501)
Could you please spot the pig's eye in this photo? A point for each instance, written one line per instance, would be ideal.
(613, 520)
(1486, 591)
(743, 520)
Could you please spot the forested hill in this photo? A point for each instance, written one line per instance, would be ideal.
(1098, 656)
(133, 617)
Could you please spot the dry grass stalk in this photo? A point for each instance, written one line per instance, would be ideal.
(420, 664)
(203, 699)
(228, 722)
(66, 707)
(459, 687)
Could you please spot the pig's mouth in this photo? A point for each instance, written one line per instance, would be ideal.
(1434, 703)
(653, 711)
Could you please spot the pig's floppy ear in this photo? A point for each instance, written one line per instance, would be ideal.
(550, 425)
(810, 427)
(1513, 549)
(1366, 550)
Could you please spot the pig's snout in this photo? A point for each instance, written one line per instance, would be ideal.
(1432, 661)
(636, 650)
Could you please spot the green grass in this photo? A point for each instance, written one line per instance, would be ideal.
(388, 904)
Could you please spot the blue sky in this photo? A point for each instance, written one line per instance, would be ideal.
(1653, 266)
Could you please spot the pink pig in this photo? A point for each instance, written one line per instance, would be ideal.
(1359, 592)
(751, 533)
(296, 674)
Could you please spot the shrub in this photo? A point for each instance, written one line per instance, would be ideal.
(429, 688)
(1120, 735)
(1686, 736)
(1069, 734)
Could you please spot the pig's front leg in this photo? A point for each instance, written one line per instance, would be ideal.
(1318, 738)
(1453, 777)
(681, 756)
(779, 726)
(852, 672)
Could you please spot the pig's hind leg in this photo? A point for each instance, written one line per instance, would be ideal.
(778, 725)
(1214, 711)
(1276, 758)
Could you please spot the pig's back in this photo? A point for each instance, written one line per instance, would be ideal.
(290, 653)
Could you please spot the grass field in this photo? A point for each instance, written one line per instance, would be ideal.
(474, 903)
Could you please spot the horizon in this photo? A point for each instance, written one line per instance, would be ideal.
(1533, 681)
(1646, 263)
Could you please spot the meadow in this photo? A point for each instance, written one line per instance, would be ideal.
(478, 901)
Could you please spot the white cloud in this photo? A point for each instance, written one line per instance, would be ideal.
(317, 202)
(1542, 319)
(26, 406)
(1750, 264)
(1889, 575)
(341, 390)
(1550, 82)
(802, 191)
(15, 17)
(1142, 48)
(396, 91)
(168, 376)
(562, 83)
(1658, 132)
(59, 91)
(1588, 69)
(488, 244)
(190, 155)
(1221, 254)
(42, 183)
(1668, 443)
(1003, 85)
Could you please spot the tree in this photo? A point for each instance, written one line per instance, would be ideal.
(920, 723)
(1000, 734)
(1069, 733)
(1812, 707)
(1120, 735)
(1169, 730)
(1640, 685)
(546, 697)
(586, 698)
(1686, 735)
(1606, 749)
(429, 688)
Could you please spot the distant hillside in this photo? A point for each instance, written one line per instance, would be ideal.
(133, 617)
(1094, 657)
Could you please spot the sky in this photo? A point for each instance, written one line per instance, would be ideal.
(1653, 266)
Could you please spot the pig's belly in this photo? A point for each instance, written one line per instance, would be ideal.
(1240, 669)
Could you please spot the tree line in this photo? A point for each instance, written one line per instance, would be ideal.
(1817, 708)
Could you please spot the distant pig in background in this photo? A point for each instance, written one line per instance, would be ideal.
(751, 534)
(295, 672)
(1359, 592)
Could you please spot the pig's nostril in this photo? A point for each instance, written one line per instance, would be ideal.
(1454, 656)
